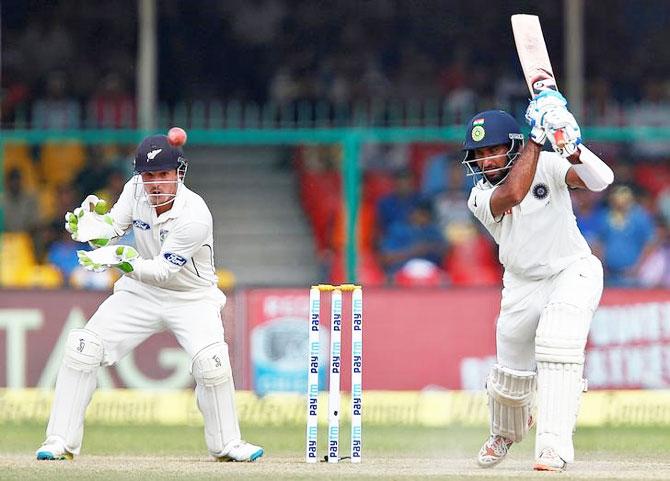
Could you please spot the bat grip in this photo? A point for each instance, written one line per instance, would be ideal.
(559, 137)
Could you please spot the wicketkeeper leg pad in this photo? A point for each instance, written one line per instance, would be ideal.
(215, 392)
(74, 387)
(511, 395)
(559, 351)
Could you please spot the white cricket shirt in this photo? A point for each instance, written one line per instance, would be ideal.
(176, 248)
(539, 237)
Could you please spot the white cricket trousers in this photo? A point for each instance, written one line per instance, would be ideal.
(580, 284)
(136, 311)
(544, 324)
(129, 316)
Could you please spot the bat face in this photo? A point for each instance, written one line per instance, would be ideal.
(533, 54)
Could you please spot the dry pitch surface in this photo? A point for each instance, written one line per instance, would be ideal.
(24, 467)
(402, 453)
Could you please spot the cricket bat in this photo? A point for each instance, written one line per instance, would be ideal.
(534, 58)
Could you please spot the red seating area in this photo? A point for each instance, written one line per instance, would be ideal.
(653, 177)
(468, 263)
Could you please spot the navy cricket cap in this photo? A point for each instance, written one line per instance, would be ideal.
(489, 128)
(155, 154)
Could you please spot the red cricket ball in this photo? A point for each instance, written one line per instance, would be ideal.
(176, 136)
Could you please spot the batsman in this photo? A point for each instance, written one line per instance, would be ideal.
(552, 282)
(168, 283)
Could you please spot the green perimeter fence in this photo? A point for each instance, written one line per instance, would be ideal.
(349, 138)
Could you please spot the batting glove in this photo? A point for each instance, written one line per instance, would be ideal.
(94, 226)
(563, 132)
(121, 257)
(549, 117)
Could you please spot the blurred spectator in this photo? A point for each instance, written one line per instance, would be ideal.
(415, 238)
(46, 42)
(14, 99)
(601, 108)
(112, 106)
(62, 252)
(93, 176)
(385, 158)
(438, 173)
(256, 22)
(589, 213)
(451, 203)
(664, 205)
(284, 87)
(625, 236)
(64, 200)
(653, 110)
(21, 212)
(471, 260)
(116, 180)
(419, 273)
(655, 269)
(397, 206)
(56, 110)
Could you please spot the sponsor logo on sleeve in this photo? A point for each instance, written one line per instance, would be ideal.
(175, 259)
(140, 224)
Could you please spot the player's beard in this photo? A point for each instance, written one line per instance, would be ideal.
(495, 178)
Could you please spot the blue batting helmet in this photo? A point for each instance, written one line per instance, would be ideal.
(487, 129)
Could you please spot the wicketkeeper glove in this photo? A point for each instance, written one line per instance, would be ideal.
(99, 260)
(549, 117)
(94, 226)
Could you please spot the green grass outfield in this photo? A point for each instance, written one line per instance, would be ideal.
(389, 453)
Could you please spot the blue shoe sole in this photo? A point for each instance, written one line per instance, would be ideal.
(48, 456)
(256, 455)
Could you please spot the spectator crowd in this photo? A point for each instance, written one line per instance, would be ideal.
(415, 227)
(68, 66)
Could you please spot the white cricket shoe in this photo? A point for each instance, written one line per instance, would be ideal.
(549, 460)
(493, 451)
(53, 449)
(240, 451)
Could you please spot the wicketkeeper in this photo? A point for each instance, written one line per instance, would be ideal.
(169, 282)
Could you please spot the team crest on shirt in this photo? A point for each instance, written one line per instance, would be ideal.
(540, 191)
(163, 234)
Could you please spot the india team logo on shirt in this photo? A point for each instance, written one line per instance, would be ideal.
(540, 191)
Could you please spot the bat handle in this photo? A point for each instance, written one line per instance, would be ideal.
(559, 137)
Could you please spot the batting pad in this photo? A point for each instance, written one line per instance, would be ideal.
(559, 351)
(559, 389)
(511, 396)
(75, 384)
(561, 333)
(215, 393)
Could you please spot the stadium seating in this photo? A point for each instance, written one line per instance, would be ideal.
(61, 161)
(18, 267)
(18, 156)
